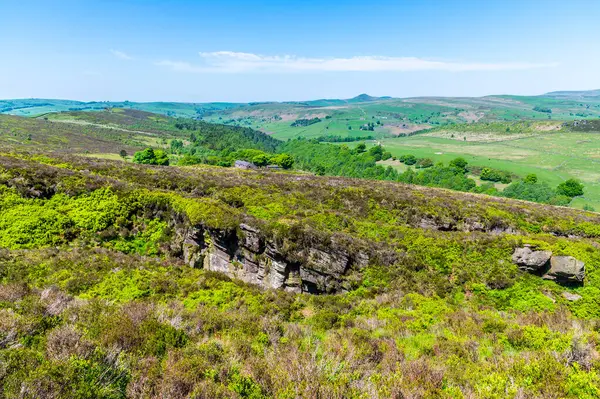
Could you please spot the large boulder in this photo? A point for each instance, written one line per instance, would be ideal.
(531, 261)
(566, 269)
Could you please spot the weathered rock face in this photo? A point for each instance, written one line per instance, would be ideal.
(562, 269)
(254, 260)
(531, 261)
(566, 269)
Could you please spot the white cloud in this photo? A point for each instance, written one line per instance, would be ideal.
(121, 55)
(235, 62)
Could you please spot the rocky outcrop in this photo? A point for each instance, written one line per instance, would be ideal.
(566, 269)
(466, 225)
(562, 269)
(531, 261)
(248, 256)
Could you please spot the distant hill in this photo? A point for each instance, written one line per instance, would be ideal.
(209, 135)
(346, 117)
(327, 102)
(574, 94)
(361, 98)
(110, 131)
(35, 107)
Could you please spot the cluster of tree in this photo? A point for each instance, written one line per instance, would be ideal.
(452, 176)
(495, 175)
(531, 189)
(440, 176)
(360, 161)
(305, 122)
(261, 159)
(537, 108)
(151, 156)
(369, 126)
(339, 160)
(420, 163)
(219, 137)
(376, 152)
(227, 158)
(340, 139)
(408, 159)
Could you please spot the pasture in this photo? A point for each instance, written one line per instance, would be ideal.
(552, 156)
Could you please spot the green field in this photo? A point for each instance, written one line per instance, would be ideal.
(553, 156)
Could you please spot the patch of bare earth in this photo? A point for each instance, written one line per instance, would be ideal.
(484, 137)
(548, 127)
(471, 116)
(404, 128)
(288, 117)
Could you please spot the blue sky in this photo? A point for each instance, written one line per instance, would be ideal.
(200, 51)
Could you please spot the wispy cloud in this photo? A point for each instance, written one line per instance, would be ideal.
(121, 55)
(235, 62)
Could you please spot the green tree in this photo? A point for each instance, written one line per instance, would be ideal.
(145, 157)
(151, 157)
(161, 158)
(376, 152)
(537, 192)
(286, 161)
(460, 164)
(570, 188)
(319, 170)
(495, 175)
(561, 200)
(123, 154)
(361, 147)
(261, 160)
(424, 163)
(176, 146)
(531, 178)
(408, 159)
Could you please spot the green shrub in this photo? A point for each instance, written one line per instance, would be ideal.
(150, 156)
(408, 159)
(424, 163)
(570, 188)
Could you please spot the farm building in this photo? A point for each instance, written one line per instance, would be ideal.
(244, 165)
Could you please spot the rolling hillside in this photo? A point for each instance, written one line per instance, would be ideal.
(346, 117)
(220, 280)
(201, 281)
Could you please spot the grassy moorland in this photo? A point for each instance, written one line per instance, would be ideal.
(96, 302)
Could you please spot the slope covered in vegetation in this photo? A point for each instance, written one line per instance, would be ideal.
(98, 298)
(209, 135)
